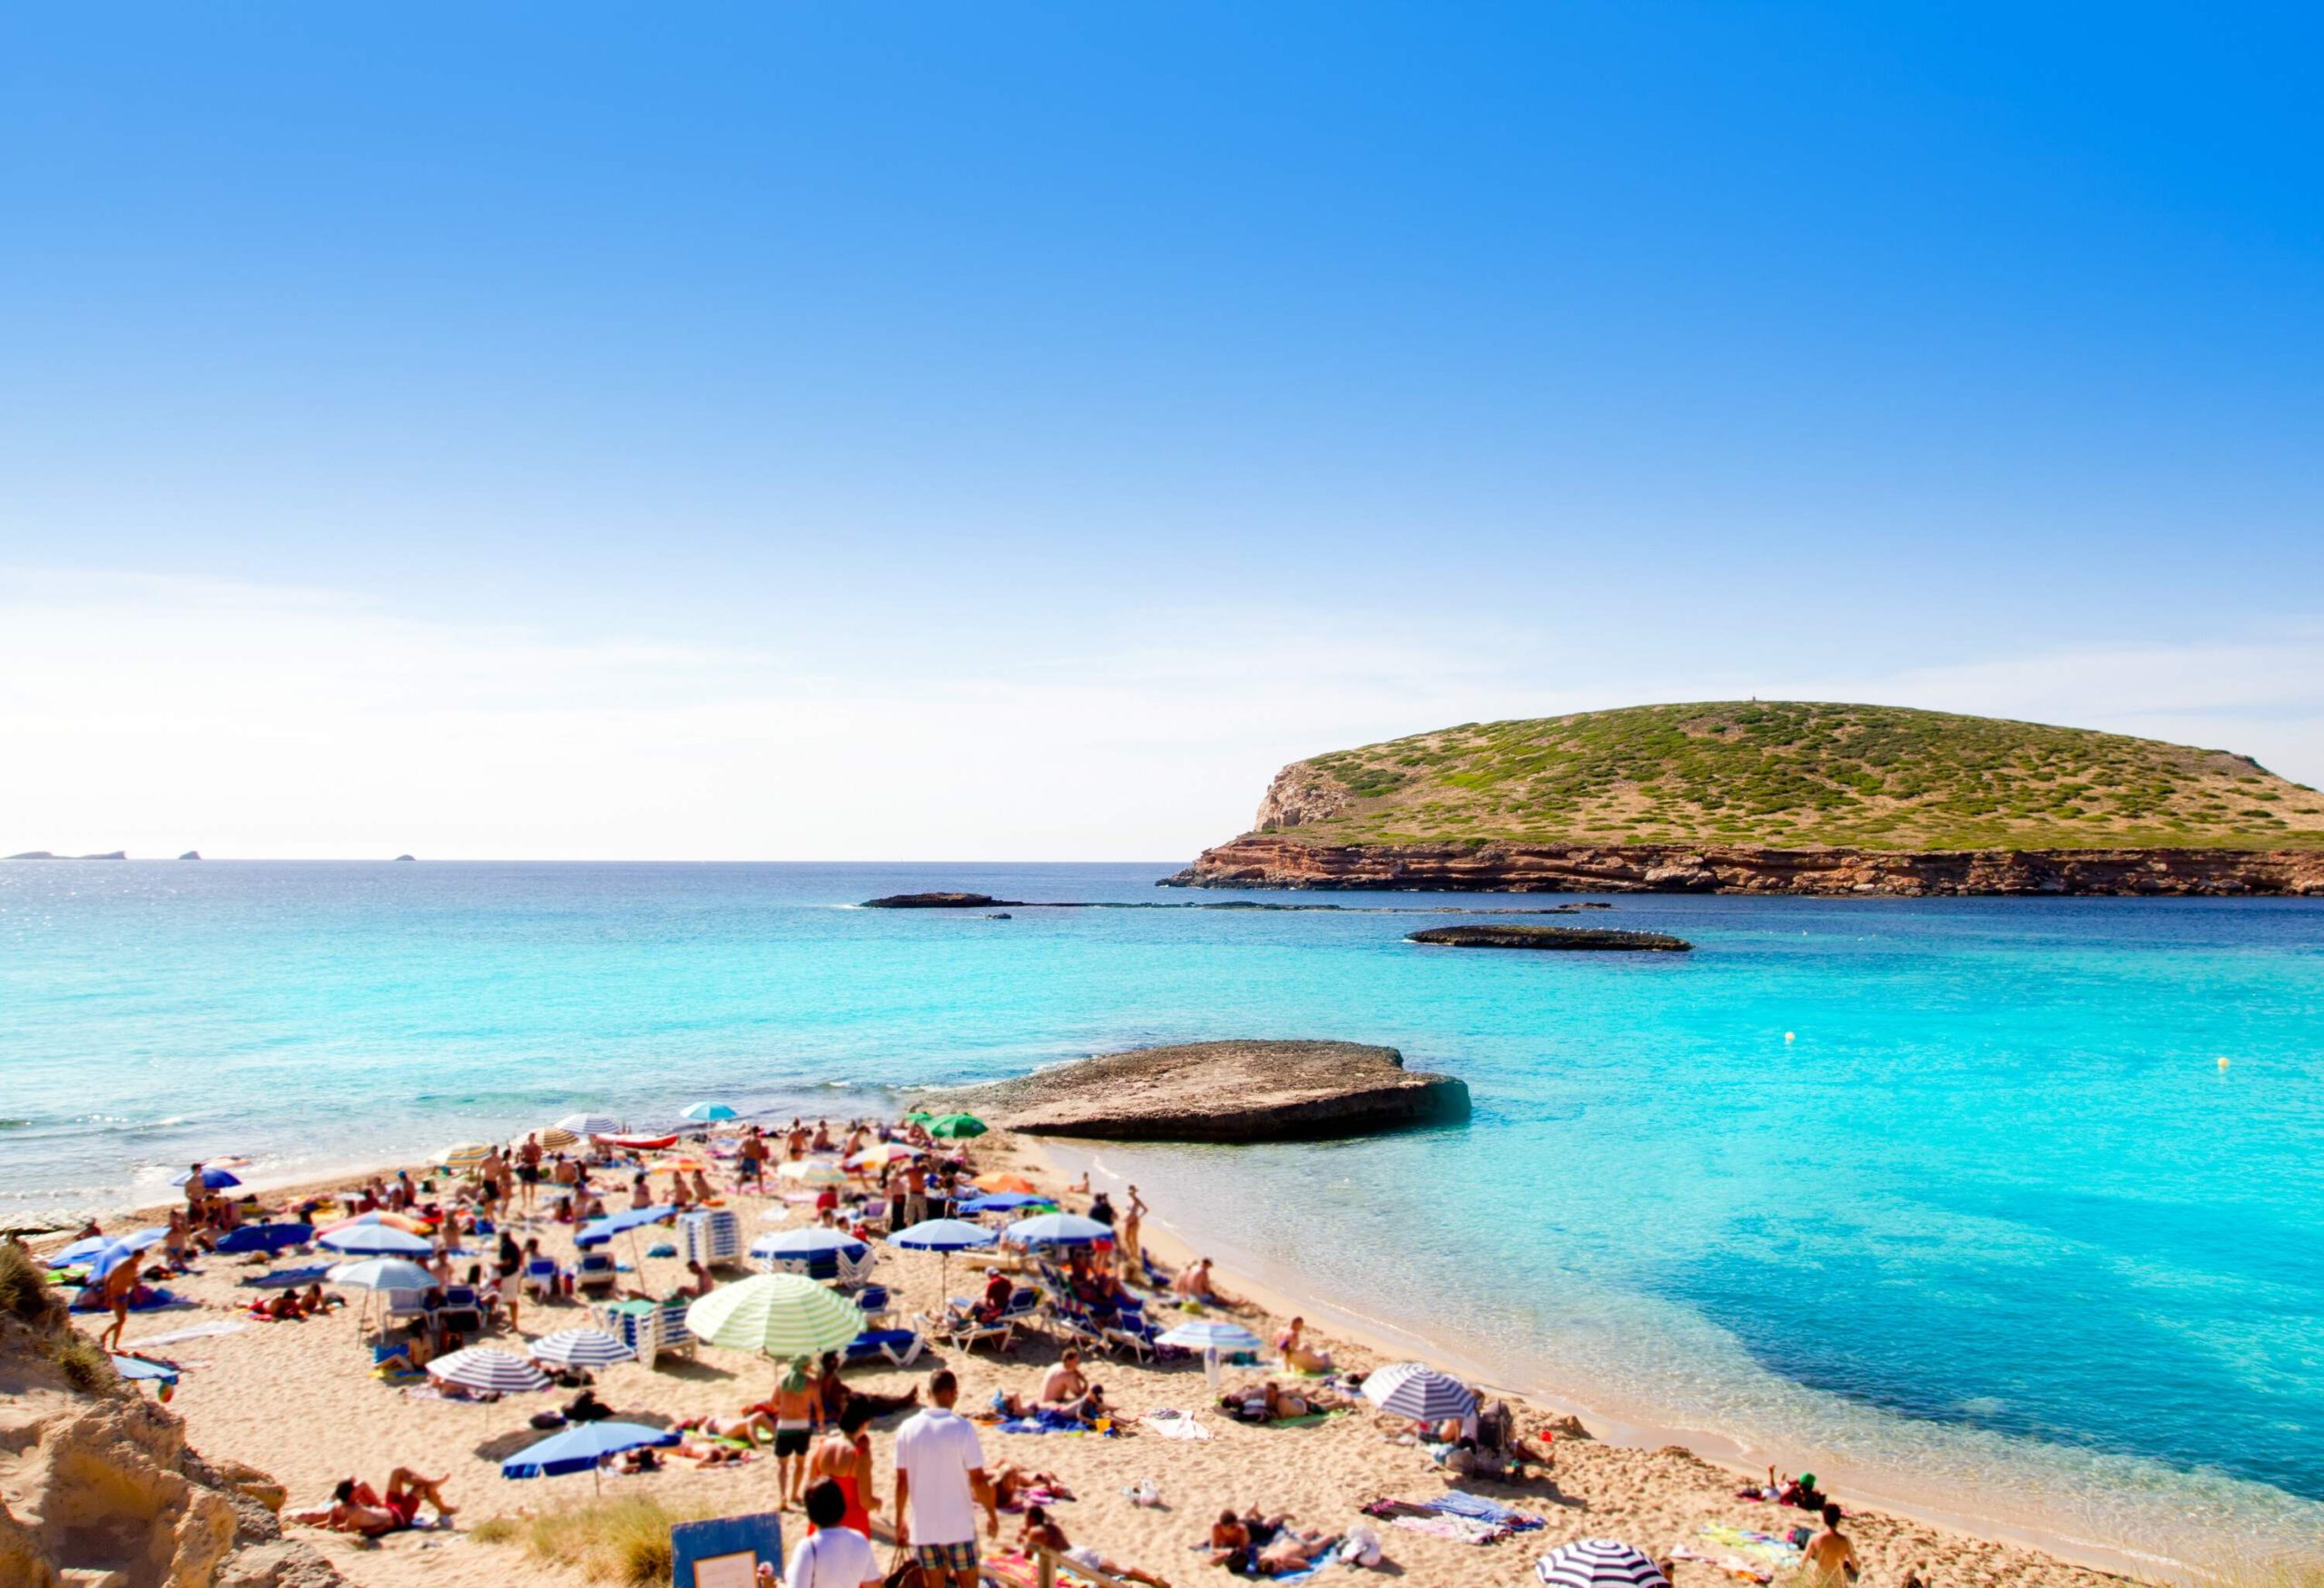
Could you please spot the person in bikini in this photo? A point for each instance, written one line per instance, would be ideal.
(357, 1507)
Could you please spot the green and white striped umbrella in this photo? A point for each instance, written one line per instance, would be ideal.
(782, 1314)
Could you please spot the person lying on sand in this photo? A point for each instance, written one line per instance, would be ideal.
(357, 1507)
(1010, 1482)
(1039, 1529)
(1269, 1403)
(1087, 1407)
(750, 1425)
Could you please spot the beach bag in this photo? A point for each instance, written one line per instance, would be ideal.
(1361, 1547)
(905, 1573)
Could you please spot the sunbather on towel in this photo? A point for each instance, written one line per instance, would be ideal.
(754, 1424)
(1011, 1481)
(1299, 1354)
(1269, 1403)
(357, 1507)
(1038, 1528)
(1194, 1282)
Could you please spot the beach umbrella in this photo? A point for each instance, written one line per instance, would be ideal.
(377, 1241)
(137, 1368)
(919, 1116)
(1003, 1202)
(465, 1154)
(1007, 1182)
(958, 1126)
(1214, 1337)
(676, 1166)
(380, 1274)
(212, 1178)
(1415, 1390)
(552, 1136)
(1057, 1230)
(812, 1171)
(943, 1237)
(581, 1348)
(590, 1124)
(882, 1154)
(812, 1240)
(79, 1251)
(481, 1368)
(263, 1238)
(782, 1314)
(111, 1258)
(379, 1218)
(1599, 1562)
(710, 1113)
(598, 1231)
(83, 1251)
(581, 1447)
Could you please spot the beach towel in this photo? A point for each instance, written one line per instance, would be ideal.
(1477, 1507)
(1174, 1424)
(286, 1278)
(1459, 1529)
(197, 1332)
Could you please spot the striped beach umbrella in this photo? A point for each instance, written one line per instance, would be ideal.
(1415, 1390)
(403, 1221)
(881, 1154)
(484, 1368)
(812, 1171)
(552, 1136)
(461, 1157)
(581, 1348)
(782, 1314)
(590, 1124)
(1599, 1562)
(1209, 1334)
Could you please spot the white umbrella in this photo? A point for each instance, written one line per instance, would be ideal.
(1599, 1562)
(481, 1368)
(581, 1348)
(1415, 1390)
(1213, 1337)
(375, 1275)
(812, 1171)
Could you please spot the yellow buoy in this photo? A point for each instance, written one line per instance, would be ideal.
(1787, 1037)
(2222, 1060)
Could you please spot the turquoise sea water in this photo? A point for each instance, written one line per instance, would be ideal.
(1993, 1229)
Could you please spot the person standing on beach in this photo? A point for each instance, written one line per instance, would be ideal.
(797, 1410)
(1830, 1558)
(915, 1194)
(1127, 1250)
(940, 1483)
(121, 1284)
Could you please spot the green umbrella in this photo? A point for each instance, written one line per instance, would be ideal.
(958, 1125)
(919, 1116)
(782, 1314)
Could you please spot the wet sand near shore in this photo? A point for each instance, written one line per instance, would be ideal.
(298, 1399)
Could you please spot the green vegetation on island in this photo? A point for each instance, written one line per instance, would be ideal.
(1791, 775)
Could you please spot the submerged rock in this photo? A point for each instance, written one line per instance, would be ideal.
(1550, 937)
(936, 901)
(1226, 1092)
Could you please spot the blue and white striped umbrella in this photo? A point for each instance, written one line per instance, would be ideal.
(481, 1368)
(1415, 1390)
(710, 1113)
(1208, 1334)
(590, 1124)
(581, 1348)
(213, 1180)
(1599, 1562)
(1057, 1230)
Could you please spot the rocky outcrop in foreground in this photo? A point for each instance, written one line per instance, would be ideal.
(1581, 938)
(97, 1485)
(1226, 1092)
(1273, 860)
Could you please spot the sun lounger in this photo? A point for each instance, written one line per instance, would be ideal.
(595, 1274)
(900, 1347)
(964, 1331)
(542, 1280)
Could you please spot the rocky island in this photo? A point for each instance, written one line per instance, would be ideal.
(1578, 938)
(1225, 1092)
(1779, 797)
(936, 901)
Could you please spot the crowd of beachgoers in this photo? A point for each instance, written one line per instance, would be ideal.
(915, 1342)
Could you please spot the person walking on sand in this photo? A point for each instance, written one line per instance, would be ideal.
(1830, 1558)
(940, 1483)
(121, 1284)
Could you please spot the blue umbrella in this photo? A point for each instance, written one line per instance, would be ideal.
(598, 1231)
(265, 1238)
(377, 1241)
(81, 1251)
(1057, 1230)
(1004, 1202)
(581, 1447)
(1214, 1337)
(942, 1235)
(814, 1241)
(711, 1111)
(213, 1180)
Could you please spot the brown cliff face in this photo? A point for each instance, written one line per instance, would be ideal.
(1275, 860)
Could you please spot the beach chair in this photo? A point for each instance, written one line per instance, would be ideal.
(461, 1311)
(1071, 1325)
(595, 1274)
(964, 1331)
(855, 1271)
(1131, 1331)
(900, 1347)
(670, 1332)
(875, 1304)
(542, 1281)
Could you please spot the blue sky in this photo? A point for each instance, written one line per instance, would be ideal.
(1015, 430)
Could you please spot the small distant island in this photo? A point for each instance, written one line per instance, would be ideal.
(936, 901)
(1240, 1091)
(190, 854)
(46, 854)
(1582, 938)
(1777, 797)
(402, 857)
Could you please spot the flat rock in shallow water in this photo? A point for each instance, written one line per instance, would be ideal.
(1226, 1092)
(936, 901)
(1550, 937)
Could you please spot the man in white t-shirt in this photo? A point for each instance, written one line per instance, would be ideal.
(832, 1556)
(940, 1483)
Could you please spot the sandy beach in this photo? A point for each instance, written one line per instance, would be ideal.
(298, 1400)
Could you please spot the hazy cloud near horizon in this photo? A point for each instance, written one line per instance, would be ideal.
(158, 714)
